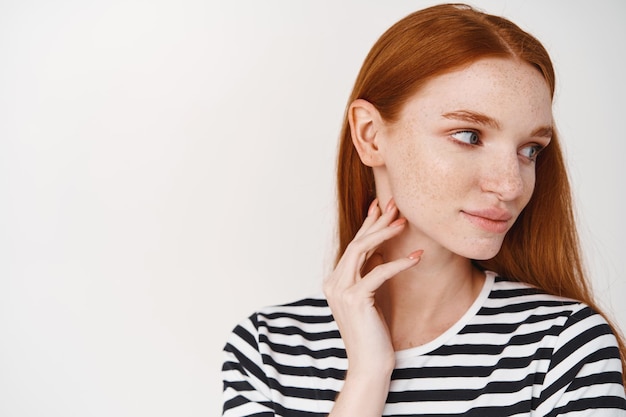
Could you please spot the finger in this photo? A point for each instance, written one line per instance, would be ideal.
(374, 238)
(385, 219)
(373, 214)
(359, 250)
(375, 230)
(377, 218)
(384, 271)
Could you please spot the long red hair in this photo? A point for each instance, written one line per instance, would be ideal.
(542, 248)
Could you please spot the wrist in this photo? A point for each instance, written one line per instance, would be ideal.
(364, 393)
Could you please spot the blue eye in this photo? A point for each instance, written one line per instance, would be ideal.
(531, 151)
(467, 136)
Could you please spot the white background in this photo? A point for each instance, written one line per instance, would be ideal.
(166, 167)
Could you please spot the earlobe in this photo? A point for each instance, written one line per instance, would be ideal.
(365, 123)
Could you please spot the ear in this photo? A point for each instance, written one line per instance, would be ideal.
(365, 128)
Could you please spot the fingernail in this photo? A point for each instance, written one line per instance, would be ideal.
(373, 207)
(398, 222)
(416, 255)
(390, 205)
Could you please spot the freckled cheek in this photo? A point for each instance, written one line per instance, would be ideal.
(529, 185)
(419, 182)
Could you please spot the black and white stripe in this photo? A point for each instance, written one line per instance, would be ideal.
(516, 352)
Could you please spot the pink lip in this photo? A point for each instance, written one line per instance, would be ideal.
(492, 220)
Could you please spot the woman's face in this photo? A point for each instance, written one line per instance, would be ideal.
(460, 160)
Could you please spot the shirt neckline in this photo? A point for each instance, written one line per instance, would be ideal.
(456, 327)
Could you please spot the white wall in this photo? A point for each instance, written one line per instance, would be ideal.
(166, 167)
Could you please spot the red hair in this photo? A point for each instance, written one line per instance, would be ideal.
(542, 247)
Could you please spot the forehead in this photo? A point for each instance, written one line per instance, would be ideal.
(505, 89)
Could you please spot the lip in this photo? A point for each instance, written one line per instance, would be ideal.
(493, 220)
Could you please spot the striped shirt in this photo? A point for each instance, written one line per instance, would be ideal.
(516, 352)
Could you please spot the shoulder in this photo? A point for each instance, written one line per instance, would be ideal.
(563, 324)
(509, 297)
(578, 355)
(303, 319)
(303, 313)
(575, 333)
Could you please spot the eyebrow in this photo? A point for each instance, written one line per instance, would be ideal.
(482, 119)
(472, 117)
(543, 132)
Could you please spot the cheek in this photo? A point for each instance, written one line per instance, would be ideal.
(529, 185)
(420, 178)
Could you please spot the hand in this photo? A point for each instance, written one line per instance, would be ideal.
(351, 287)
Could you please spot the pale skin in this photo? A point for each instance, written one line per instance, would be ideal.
(452, 175)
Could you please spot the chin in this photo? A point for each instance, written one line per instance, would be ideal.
(483, 257)
(481, 251)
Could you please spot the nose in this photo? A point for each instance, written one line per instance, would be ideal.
(503, 176)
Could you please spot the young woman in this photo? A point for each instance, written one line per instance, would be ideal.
(458, 287)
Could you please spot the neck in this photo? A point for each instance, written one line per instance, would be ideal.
(421, 303)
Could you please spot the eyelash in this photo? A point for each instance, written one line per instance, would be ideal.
(476, 135)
